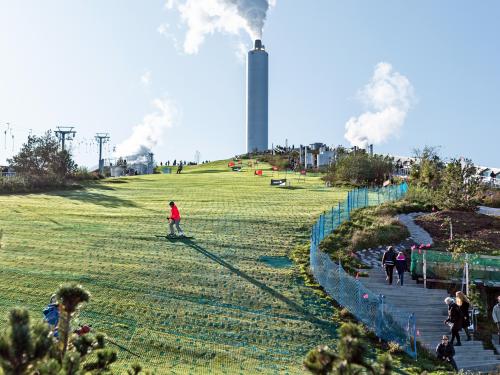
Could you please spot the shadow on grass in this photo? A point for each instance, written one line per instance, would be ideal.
(117, 181)
(85, 196)
(291, 187)
(98, 186)
(205, 171)
(325, 325)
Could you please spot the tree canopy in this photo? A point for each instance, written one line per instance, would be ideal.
(40, 156)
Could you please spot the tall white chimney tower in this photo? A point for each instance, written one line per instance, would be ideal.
(257, 98)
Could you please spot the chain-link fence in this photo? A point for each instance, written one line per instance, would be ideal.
(388, 322)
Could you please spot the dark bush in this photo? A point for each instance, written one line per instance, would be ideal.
(360, 168)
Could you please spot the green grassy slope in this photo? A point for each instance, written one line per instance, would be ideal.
(208, 305)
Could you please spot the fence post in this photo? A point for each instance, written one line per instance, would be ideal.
(339, 213)
(424, 266)
(340, 284)
(323, 226)
(333, 226)
(358, 287)
(348, 206)
(380, 316)
(366, 197)
(414, 333)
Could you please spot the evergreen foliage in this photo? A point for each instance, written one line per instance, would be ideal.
(453, 185)
(360, 168)
(40, 157)
(27, 348)
(459, 186)
(351, 356)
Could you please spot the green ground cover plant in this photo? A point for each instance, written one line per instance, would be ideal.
(368, 227)
(206, 305)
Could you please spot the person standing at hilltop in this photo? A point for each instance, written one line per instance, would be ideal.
(388, 261)
(175, 219)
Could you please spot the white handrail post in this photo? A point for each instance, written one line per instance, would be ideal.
(466, 274)
(425, 269)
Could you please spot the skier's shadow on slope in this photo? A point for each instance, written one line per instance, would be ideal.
(328, 326)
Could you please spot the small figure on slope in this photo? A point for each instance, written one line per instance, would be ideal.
(174, 219)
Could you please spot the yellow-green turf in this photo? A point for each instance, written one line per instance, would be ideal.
(208, 304)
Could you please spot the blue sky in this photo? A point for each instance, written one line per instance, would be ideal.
(80, 63)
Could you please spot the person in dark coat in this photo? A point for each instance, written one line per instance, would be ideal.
(388, 261)
(464, 304)
(445, 352)
(401, 267)
(454, 319)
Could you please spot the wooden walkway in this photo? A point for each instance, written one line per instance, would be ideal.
(430, 312)
(428, 306)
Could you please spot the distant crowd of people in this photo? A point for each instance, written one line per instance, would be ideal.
(458, 308)
(181, 162)
(180, 165)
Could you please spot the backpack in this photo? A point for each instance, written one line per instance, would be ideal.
(389, 258)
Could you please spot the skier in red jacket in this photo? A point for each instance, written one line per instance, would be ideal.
(175, 219)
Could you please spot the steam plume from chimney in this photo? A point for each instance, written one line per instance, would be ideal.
(390, 95)
(204, 17)
(149, 132)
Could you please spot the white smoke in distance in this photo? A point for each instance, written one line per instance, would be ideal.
(149, 133)
(388, 97)
(204, 17)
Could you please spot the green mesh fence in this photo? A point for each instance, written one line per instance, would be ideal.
(447, 266)
(387, 321)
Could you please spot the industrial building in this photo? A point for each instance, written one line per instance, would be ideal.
(316, 155)
(257, 98)
(132, 165)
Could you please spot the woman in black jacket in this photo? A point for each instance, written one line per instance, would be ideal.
(454, 319)
(464, 304)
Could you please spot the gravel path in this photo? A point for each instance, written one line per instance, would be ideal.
(489, 211)
(417, 233)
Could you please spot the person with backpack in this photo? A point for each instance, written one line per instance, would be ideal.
(454, 320)
(174, 219)
(401, 267)
(388, 261)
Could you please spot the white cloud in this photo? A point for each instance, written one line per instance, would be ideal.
(149, 133)
(206, 17)
(146, 78)
(389, 96)
(164, 30)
